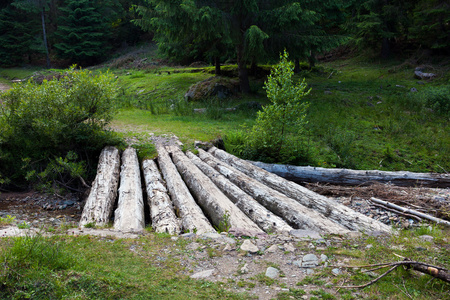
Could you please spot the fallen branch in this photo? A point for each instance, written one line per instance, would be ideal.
(397, 212)
(410, 211)
(436, 272)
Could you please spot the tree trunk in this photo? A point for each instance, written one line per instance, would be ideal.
(255, 211)
(217, 66)
(385, 48)
(295, 214)
(161, 208)
(244, 83)
(355, 177)
(331, 209)
(192, 217)
(100, 202)
(221, 211)
(296, 65)
(44, 33)
(129, 215)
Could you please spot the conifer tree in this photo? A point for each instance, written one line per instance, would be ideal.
(16, 38)
(82, 32)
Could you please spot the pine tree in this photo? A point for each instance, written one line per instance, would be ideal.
(83, 32)
(16, 38)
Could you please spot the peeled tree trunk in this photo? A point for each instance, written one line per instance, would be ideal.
(129, 215)
(264, 218)
(331, 209)
(355, 177)
(192, 217)
(221, 211)
(100, 202)
(295, 214)
(161, 208)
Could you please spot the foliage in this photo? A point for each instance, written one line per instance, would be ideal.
(7, 220)
(49, 129)
(438, 99)
(82, 32)
(279, 126)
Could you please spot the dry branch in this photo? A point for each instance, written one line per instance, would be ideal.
(410, 211)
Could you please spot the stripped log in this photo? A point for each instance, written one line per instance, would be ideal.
(355, 177)
(295, 214)
(129, 215)
(264, 218)
(100, 202)
(331, 209)
(221, 211)
(410, 211)
(192, 217)
(161, 208)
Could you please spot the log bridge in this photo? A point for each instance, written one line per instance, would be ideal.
(209, 192)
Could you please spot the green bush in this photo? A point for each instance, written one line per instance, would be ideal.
(277, 134)
(52, 131)
(438, 99)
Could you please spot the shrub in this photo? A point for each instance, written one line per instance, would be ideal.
(438, 99)
(51, 129)
(276, 136)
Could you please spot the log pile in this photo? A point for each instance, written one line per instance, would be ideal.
(209, 192)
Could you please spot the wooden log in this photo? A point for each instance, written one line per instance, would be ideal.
(100, 202)
(192, 217)
(264, 218)
(221, 211)
(355, 177)
(331, 209)
(161, 207)
(410, 211)
(295, 214)
(129, 215)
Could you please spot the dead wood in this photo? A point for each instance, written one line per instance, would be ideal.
(410, 211)
(294, 213)
(355, 177)
(264, 218)
(192, 217)
(331, 209)
(100, 202)
(129, 215)
(221, 211)
(435, 271)
(162, 213)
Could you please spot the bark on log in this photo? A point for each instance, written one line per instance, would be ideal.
(221, 211)
(295, 214)
(264, 218)
(192, 217)
(355, 177)
(410, 211)
(337, 212)
(129, 215)
(100, 202)
(161, 208)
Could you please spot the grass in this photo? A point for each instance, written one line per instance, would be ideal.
(65, 267)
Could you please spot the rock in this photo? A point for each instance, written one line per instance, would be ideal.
(418, 73)
(242, 232)
(193, 246)
(272, 249)
(297, 263)
(248, 246)
(427, 238)
(272, 272)
(210, 235)
(300, 233)
(309, 271)
(354, 234)
(336, 271)
(244, 269)
(216, 86)
(203, 274)
(289, 247)
(413, 90)
(310, 261)
(188, 235)
(228, 247)
(369, 246)
(323, 257)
